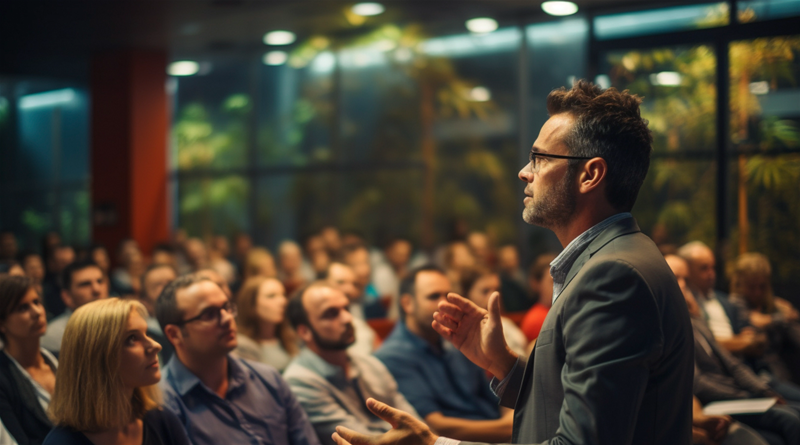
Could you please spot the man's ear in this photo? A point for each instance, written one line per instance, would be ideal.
(592, 174)
(407, 303)
(67, 299)
(173, 334)
(305, 334)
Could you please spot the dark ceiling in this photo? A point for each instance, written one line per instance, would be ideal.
(57, 37)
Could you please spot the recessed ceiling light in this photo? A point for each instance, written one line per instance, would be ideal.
(481, 25)
(183, 68)
(279, 38)
(368, 9)
(275, 58)
(559, 8)
(480, 94)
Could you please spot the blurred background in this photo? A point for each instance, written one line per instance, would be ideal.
(165, 120)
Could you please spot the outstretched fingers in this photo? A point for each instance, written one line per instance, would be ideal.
(339, 440)
(393, 416)
(346, 436)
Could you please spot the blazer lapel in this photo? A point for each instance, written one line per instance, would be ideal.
(28, 394)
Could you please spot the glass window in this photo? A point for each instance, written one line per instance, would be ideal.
(656, 21)
(213, 205)
(751, 11)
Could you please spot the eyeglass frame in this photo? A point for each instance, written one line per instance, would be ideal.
(534, 154)
(231, 309)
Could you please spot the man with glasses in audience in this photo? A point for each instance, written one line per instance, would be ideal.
(219, 398)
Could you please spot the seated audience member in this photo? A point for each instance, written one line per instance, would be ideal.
(218, 398)
(83, 282)
(290, 266)
(357, 256)
(8, 247)
(34, 270)
(99, 255)
(478, 286)
(155, 277)
(164, 254)
(730, 328)
(57, 258)
(195, 254)
(389, 270)
(482, 249)
(342, 278)
(541, 284)
(27, 371)
(751, 292)
(331, 380)
(448, 391)
(12, 269)
(107, 392)
(264, 332)
(125, 277)
(218, 258)
(317, 254)
(458, 259)
(259, 262)
(512, 282)
(720, 376)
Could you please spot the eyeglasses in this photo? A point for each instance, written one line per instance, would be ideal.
(535, 154)
(212, 314)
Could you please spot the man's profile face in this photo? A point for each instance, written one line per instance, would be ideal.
(330, 322)
(702, 274)
(342, 277)
(206, 338)
(681, 270)
(550, 193)
(430, 288)
(88, 284)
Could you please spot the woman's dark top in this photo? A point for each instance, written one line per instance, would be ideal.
(20, 410)
(159, 427)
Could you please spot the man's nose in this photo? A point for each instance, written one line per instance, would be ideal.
(526, 174)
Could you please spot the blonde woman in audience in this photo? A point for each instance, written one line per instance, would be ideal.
(264, 333)
(478, 285)
(27, 371)
(107, 393)
(259, 262)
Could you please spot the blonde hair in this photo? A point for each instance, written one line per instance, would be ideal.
(258, 259)
(89, 395)
(247, 321)
(748, 265)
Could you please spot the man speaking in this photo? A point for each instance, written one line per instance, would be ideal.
(613, 363)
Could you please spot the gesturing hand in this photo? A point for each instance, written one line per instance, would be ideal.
(406, 430)
(476, 332)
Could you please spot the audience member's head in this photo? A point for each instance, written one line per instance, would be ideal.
(259, 262)
(262, 310)
(106, 357)
(701, 261)
(60, 256)
(82, 282)
(242, 243)
(164, 254)
(12, 269)
(331, 240)
(481, 247)
(479, 284)
(320, 315)
(99, 255)
(221, 246)
(398, 253)
(508, 260)
(22, 315)
(420, 293)
(217, 278)
(197, 318)
(290, 257)
(357, 257)
(8, 246)
(342, 277)
(196, 253)
(751, 277)
(34, 267)
(154, 278)
(352, 237)
(539, 276)
(458, 256)
(681, 270)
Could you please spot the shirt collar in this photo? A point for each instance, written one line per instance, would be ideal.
(334, 374)
(560, 266)
(184, 380)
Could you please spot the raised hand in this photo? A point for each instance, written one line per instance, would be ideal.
(406, 430)
(476, 332)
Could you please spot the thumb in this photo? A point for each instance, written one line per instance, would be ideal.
(494, 309)
(386, 412)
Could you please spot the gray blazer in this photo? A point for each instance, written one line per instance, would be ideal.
(613, 363)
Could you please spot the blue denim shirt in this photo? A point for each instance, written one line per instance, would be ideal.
(258, 408)
(437, 381)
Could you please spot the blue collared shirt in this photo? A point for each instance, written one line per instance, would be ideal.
(559, 267)
(258, 408)
(434, 380)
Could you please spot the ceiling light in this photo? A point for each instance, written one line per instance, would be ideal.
(368, 9)
(481, 25)
(559, 8)
(666, 79)
(480, 94)
(183, 68)
(275, 58)
(279, 38)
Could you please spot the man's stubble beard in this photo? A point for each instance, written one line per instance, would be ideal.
(555, 209)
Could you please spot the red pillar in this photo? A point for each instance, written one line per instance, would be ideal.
(129, 127)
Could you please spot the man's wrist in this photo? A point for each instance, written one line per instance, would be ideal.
(503, 364)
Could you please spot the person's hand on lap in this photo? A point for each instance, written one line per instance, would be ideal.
(406, 430)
